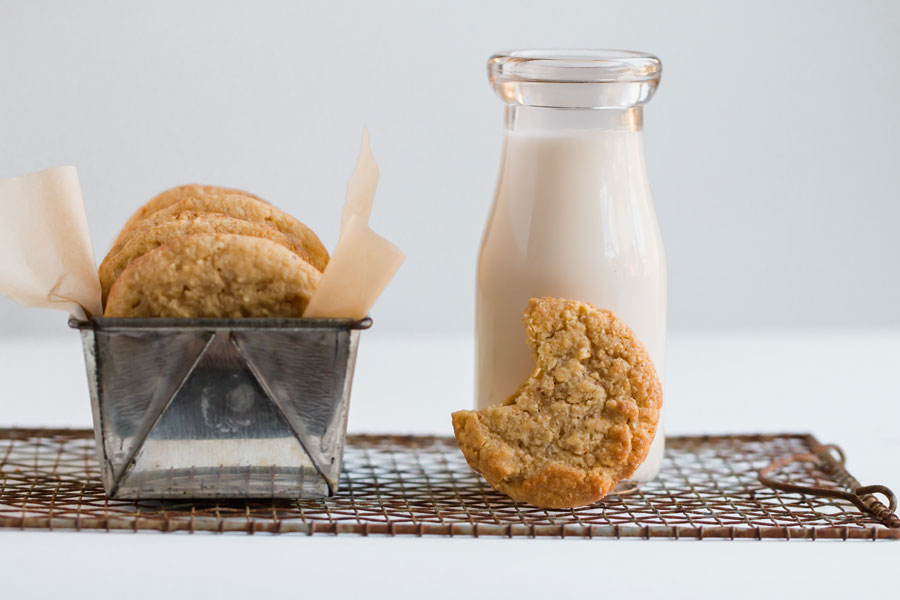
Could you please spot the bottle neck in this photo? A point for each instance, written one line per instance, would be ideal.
(537, 118)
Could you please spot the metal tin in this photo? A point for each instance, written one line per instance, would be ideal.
(220, 408)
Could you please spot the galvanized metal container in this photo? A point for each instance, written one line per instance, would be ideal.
(220, 408)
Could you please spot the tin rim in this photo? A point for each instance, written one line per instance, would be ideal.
(119, 324)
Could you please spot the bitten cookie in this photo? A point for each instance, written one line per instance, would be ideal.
(214, 275)
(582, 421)
(171, 196)
(145, 239)
(248, 209)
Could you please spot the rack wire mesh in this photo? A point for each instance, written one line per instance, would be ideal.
(709, 488)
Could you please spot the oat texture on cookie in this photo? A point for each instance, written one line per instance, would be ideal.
(246, 208)
(214, 275)
(172, 196)
(154, 232)
(581, 422)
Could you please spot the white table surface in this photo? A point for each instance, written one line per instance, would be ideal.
(840, 386)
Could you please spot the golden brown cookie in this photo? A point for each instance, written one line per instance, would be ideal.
(214, 275)
(248, 209)
(171, 196)
(145, 239)
(581, 422)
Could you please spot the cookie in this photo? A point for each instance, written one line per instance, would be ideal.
(172, 196)
(581, 422)
(214, 275)
(248, 209)
(145, 239)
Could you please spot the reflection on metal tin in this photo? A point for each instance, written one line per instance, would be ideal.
(220, 408)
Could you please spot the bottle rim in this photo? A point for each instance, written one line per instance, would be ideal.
(578, 65)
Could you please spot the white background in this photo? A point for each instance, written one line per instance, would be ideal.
(772, 143)
(772, 148)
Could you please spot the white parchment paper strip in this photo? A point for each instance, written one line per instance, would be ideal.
(363, 262)
(46, 257)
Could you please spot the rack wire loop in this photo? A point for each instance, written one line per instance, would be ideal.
(862, 496)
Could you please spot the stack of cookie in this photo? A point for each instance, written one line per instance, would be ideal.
(207, 251)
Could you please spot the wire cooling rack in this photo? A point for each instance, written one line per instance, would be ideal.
(709, 487)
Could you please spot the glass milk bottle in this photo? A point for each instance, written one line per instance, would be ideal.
(572, 214)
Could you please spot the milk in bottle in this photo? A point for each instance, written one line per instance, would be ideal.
(572, 215)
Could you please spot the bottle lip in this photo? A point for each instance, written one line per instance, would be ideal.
(577, 65)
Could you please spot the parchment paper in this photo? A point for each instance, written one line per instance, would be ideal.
(363, 262)
(46, 257)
